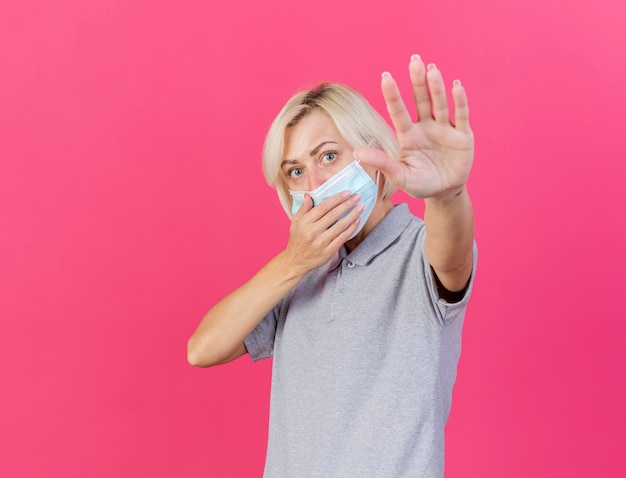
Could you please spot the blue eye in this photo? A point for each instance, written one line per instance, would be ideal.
(328, 157)
(295, 172)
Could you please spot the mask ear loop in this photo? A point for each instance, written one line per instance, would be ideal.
(369, 144)
(378, 190)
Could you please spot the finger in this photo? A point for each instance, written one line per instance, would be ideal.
(378, 159)
(322, 209)
(417, 72)
(307, 205)
(398, 113)
(461, 108)
(335, 213)
(342, 229)
(438, 94)
(345, 234)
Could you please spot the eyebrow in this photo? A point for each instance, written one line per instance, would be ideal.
(312, 153)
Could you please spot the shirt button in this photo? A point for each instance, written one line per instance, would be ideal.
(350, 264)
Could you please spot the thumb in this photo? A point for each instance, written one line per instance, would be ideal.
(380, 160)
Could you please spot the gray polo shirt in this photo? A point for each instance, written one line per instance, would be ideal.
(365, 356)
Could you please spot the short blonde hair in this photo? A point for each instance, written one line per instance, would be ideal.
(357, 121)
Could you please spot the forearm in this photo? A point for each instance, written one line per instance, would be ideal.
(220, 335)
(450, 236)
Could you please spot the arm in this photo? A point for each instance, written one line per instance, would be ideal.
(450, 238)
(435, 160)
(315, 236)
(220, 336)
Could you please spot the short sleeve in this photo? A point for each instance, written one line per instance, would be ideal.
(260, 342)
(446, 311)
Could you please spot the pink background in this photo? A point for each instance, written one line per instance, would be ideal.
(132, 199)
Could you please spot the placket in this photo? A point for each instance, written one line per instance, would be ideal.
(343, 273)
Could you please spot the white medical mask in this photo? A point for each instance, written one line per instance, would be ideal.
(352, 178)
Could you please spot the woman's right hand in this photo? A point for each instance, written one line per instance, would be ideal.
(317, 233)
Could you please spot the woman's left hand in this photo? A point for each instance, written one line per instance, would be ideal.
(436, 154)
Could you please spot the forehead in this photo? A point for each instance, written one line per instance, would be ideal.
(315, 128)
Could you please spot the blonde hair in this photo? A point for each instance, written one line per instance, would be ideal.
(357, 121)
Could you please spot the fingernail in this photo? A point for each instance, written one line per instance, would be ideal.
(456, 82)
(345, 194)
(415, 56)
(356, 197)
(360, 207)
(386, 74)
(431, 66)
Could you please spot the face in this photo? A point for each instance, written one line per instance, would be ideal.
(314, 152)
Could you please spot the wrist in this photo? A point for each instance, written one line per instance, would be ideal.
(291, 269)
(448, 197)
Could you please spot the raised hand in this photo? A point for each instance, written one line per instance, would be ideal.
(436, 153)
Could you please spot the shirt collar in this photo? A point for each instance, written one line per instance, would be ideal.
(386, 232)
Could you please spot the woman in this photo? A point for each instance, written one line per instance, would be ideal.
(363, 310)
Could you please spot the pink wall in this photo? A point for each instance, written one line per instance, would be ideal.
(131, 200)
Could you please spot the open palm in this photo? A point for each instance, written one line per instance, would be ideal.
(435, 154)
